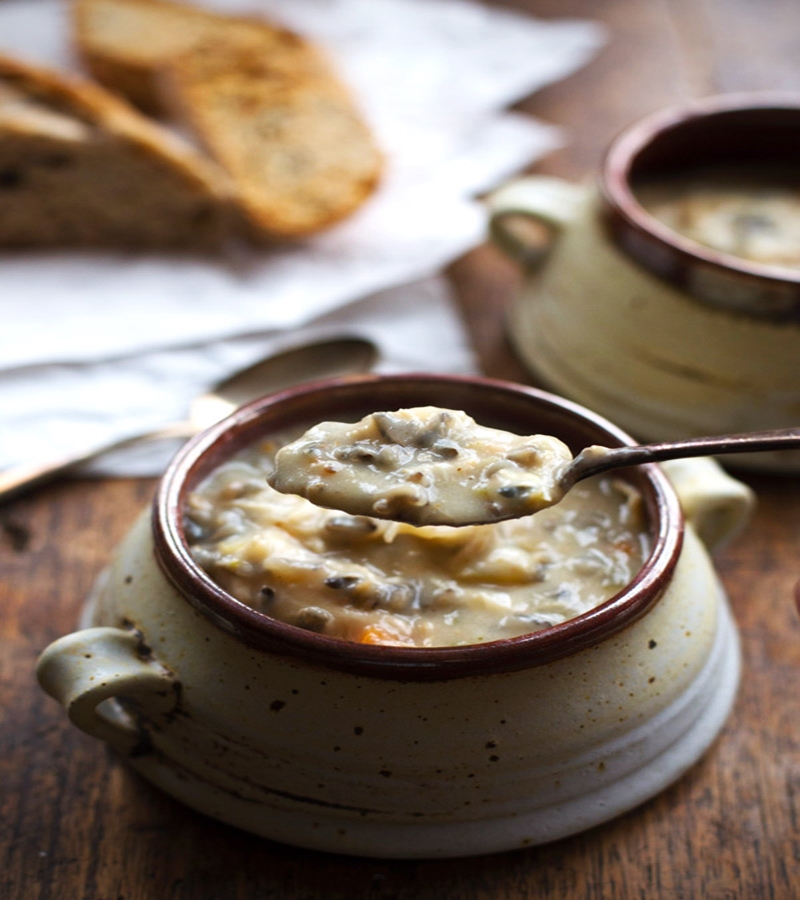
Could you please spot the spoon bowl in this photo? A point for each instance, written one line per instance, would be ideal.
(305, 362)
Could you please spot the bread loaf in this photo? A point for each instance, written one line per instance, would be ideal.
(80, 167)
(264, 102)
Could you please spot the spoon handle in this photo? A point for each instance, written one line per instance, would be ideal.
(594, 460)
(17, 480)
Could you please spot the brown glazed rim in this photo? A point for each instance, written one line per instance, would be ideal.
(481, 398)
(658, 248)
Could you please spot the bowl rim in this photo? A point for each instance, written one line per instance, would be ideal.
(665, 251)
(257, 630)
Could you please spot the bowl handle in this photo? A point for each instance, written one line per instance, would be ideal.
(550, 202)
(717, 505)
(86, 668)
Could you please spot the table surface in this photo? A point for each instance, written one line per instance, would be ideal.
(75, 823)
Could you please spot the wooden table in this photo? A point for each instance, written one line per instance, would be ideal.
(75, 824)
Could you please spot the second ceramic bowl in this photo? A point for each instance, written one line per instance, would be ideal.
(666, 337)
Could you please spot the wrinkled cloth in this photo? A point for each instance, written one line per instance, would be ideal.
(95, 346)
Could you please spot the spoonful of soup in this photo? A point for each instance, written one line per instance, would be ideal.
(432, 466)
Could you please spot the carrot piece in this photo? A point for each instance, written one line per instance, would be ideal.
(380, 634)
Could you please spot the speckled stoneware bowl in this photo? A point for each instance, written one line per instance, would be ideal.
(619, 312)
(406, 752)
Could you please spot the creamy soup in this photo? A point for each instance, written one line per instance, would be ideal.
(379, 582)
(425, 466)
(752, 214)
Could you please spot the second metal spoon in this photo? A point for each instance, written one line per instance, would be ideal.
(329, 357)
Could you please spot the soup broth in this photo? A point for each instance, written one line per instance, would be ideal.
(374, 581)
(752, 214)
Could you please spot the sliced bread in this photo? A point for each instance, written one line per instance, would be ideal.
(264, 102)
(80, 167)
(125, 44)
(282, 126)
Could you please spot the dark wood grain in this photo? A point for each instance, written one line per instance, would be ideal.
(76, 824)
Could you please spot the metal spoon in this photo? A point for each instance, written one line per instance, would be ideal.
(330, 357)
(470, 487)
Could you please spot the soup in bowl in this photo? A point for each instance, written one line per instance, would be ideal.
(379, 581)
(516, 723)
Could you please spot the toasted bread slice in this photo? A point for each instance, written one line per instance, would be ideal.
(264, 102)
(79, 167)
(126, 43)
(283, 128)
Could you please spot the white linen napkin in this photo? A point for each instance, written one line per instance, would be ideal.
(99, 345)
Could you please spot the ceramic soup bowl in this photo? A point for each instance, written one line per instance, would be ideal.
(637, 319)
(405, 751)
